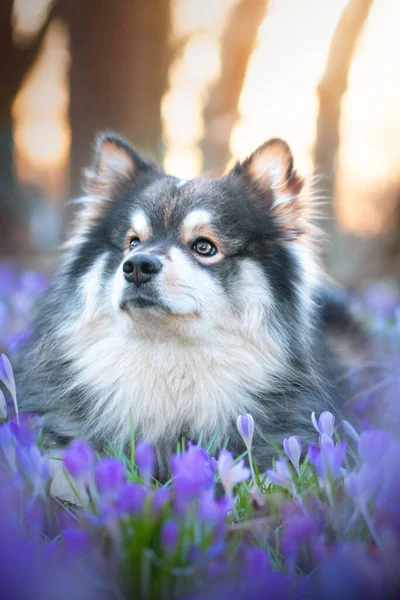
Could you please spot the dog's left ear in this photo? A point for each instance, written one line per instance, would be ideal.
(116, 162)
(271, 170)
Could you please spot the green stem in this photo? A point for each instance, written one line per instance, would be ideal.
(253, 475)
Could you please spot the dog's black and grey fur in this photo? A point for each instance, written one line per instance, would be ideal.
(179, 305)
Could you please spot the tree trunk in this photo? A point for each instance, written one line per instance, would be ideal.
(15, 64)
(221, 112)
(118, 74)
(330, 94)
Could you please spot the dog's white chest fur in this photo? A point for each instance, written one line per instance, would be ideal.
(168, 386)
(167, 376)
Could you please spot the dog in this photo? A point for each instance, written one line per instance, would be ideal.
(180, 304)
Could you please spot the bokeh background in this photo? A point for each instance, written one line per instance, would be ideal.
(198, 84)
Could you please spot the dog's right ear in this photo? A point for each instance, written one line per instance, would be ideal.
(116, 162)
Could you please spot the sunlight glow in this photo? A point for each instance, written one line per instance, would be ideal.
(278, 98)
(279, 93)
(190, 76)
(40, 111)
(28, 17)
(369, 156)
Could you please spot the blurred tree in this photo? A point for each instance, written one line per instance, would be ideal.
(119, 70)
(16, 60)
(221, 111)
(331, 90)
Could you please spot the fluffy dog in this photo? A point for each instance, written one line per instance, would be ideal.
(179, 305)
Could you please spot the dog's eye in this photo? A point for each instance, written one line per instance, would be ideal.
(204, 247)
(134, 243)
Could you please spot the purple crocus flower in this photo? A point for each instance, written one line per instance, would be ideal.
(160, 498)
(292, 448)
(325, 424)
(79, 460)
(35, 467)
(245, 425)
(230, 473)
(192, 474)
(34, 516)
(76, 540)
(255, 563)
(373, 445)
(378, 478)
(381, 455)
(131, 499)
(25, 430)
(169, 535)
(32, 283)
(214, 511)
(362, 487)
(214, 463)
(328, 461)
(281, 474)
(350, 571)
(110, 476)
(299, 529)
(145, 460)
(325, 441)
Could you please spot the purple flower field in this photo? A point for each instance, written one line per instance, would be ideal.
(327, 526)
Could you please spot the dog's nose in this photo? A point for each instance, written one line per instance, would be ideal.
(141, 268)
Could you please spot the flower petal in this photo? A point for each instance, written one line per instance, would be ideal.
(350, 431)
(292, 447)
(245, 426)
(7, 375)
(326, 422)
(3, 406)
(314, 422)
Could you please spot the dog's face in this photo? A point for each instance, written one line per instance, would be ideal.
(198, 250)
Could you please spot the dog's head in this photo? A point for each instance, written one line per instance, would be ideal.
(204, 250)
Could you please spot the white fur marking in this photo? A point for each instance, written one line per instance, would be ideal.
(91, 286)
(196, 219)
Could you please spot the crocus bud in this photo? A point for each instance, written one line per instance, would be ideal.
(145, 460)
(325, 441)
(169, 535)
(245, 425)
(292, 448)
(160, 498)
(35, 467)
(6, 374)
(350, 431)
(131, 498)
(110, 476)
(325, 424)
(79, 459)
